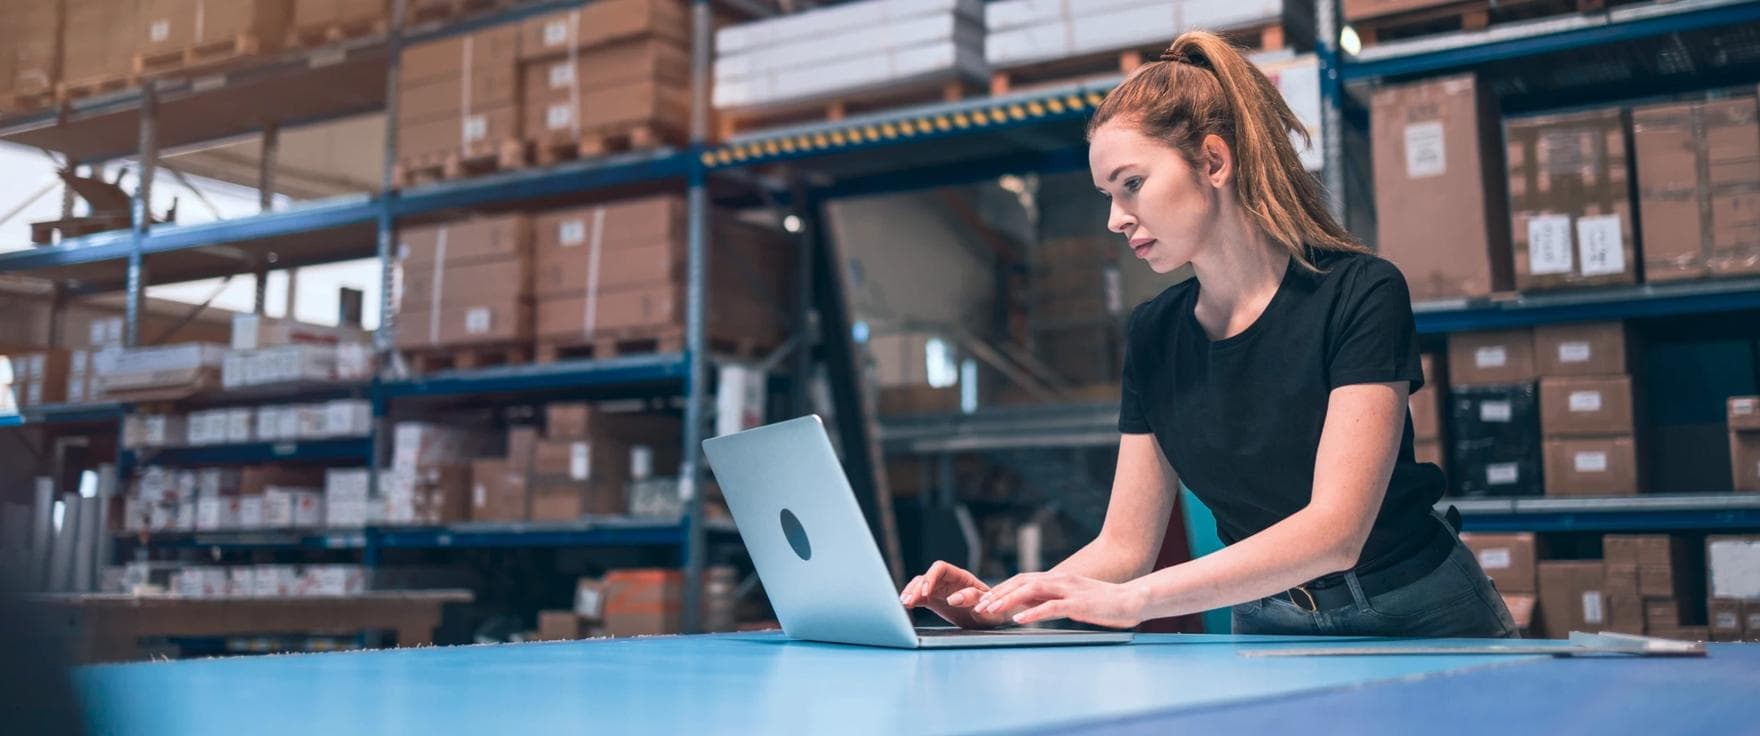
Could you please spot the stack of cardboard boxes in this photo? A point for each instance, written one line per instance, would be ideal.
(1494, 414)
(1078, 308)
(168, 27)
(582, 464)
(101, 37)
(617, 271)
(1699, 188)
(325, 20)
(606, 69)
(1570, 200)
(429, 481)
(31, 47)
(1588, 410)
(1649, 588)
(466, 283)
(1732, 565)
(641, 602)
(1744, 442)
(39, 378)
(1511, 561)
(459, 97)
(1572, 597)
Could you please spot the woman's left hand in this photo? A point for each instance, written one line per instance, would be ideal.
(1043, 596)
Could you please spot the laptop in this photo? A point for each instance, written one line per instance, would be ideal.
(818, 561)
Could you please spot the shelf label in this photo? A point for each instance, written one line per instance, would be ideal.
(1549, 244)
(1495, 411)
(1602, 245)
(1426, 156)
(1591, 462)
(1502, 474)
(1584, 402)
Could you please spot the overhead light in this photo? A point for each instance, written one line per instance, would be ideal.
(1349, 42)
(791, 223)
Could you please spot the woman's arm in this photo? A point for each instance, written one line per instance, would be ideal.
(1359, 444)
(1136, 516)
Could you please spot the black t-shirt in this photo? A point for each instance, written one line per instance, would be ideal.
(1240, 418)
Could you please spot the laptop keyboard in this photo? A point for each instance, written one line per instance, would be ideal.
(937, 632)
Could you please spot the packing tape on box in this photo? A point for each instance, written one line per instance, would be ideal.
(574, 100)
(590, 311)
(201, 20)
(438, 285)
(464, 93)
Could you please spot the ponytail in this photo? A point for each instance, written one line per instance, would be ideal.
(1203, 86)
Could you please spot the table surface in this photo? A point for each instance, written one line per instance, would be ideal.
(765, 683)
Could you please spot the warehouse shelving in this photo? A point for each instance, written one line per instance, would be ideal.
(330, 451)
(590, 532)
(65, 415)
(1642, 513)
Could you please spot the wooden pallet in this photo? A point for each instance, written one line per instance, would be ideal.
(475, 160)
(17, 101)
(639, 137)
(733, 122)
(643, 341)
(1467, 15)
(66, 92)
(329, 33)
(467, 357)
(199, 57)
(1267, 37)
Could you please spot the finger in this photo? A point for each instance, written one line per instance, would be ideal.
(965, 598)
(1006, 587)
(932, 578)
(1027, 594)
(1052, 609)
(909, 596)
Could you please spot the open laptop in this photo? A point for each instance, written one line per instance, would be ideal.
(819, 563)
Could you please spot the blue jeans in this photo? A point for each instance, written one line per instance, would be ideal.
(1457, 599)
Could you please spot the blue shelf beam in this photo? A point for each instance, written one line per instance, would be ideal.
(664, 368)
(331, 451)
(1641, 513)
(1616, 303)
(599, 532)
(63, 414)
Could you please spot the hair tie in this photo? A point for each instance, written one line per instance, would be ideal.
(1176, 56)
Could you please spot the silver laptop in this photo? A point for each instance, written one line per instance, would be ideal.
(819, 563)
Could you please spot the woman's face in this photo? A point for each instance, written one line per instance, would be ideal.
(1166, 210)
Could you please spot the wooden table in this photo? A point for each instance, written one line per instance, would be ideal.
(107, 627)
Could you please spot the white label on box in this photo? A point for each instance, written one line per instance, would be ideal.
(476, 128)
(1502, 474)
(479, 496)
(561, 75)
(588, 602)
(1594, 461)
(555, 33)
(641, 462)
(1726, 620)
(572, 232)
(1602, 244)
(1592, 613)
(1494, 356)
(476, 321)
(1495, 411)
(1754, 622)
(1496, 558)
(159, 30)
(1743, 407)
(580, 462)
(558, 116)
(1583, 402)
(1574, 352)
(96, 333)
(1425, 153)
(1549, 244)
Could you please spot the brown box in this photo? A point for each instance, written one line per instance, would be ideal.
(505, 319)
(1744, 413)
(1486, 358)
(172, 25)
(586, 422)
(560, 626)
(1662, 613)
(98, 42)
(1625, 614)
(1437, 141)
(1582, 349)
(1640, 549)
(448, 58)
(466, 241)
(447, 286)
(1599, 466)
(498, 491)
(1744, 458)
(566, 79)
(1698, 170)
(489, 87)
(603, 22)
(1622, 582)
(1571, 598)
(1725, 619)
(657, 310)
(1426, 404)
(1658, 581)
(1364, 9)
(1508, 558)
(1570, 206)
(660, 107)
(1586, 407)
(571, 479)
(318, 15)
(643, 602)
(1750, 620)
(1521, 609)
(478, 134)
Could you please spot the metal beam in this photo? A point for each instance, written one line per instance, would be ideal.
(143, 216)
(696, 312)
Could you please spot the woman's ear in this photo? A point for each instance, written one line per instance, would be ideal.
(1218, 161)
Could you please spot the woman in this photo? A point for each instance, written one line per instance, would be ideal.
(1275, 383)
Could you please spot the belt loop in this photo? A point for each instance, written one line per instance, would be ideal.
(1356, 586)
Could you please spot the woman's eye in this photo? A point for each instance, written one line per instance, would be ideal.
(1133, 184)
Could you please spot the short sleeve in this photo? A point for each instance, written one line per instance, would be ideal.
(1132, 418)
(1375, 339)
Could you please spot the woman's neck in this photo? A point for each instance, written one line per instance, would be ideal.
(1238, 274)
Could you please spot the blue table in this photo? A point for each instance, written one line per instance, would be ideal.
(764, 683)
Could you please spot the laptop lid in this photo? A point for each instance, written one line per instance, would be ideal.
(806, 535)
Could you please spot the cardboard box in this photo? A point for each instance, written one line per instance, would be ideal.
(1437, 141)
(1662, 613)
(462, 242)
(318, 15)
(584, 421)
(1508, 558)
(478, 133)
(1571, 209)
(1495, 440)
(1725, 619)
(571, 479)
(1583, 349)
(1698, 187)
(1521, 609)
(1426, 405)
(548, 36)
(171, 25)
(1481, 358)
(1364, 9)
(560, 626)
(655, 310)
(1625, 614)
(1598, 466)
(643, 602)
(1571, 598)
(498, 491)
(661, 101)
(452, 286)
(1586, 407)
(1744, 413)
(449, 58)
(1744, 457)
(918, 400)
(1751, 620)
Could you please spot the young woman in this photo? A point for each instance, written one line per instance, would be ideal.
(1275, 384)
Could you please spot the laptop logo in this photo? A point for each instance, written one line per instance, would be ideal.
(797, 535)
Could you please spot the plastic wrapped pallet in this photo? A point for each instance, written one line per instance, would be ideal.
(848, 48)
(1034, 31)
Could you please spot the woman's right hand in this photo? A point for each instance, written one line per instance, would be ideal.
(951, 593)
